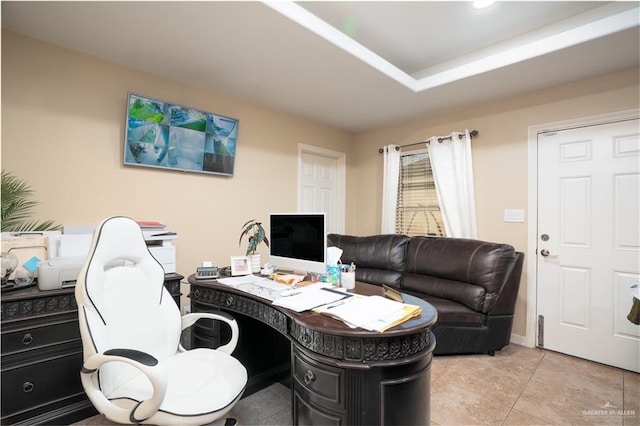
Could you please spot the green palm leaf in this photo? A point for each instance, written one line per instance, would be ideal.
(17, 208)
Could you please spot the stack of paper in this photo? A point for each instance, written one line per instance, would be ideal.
(310, 297)
(258, 286)
(373, 313)
(242, 279)
(155, 231)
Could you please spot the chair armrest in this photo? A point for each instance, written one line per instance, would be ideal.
(144, 362)
(189, 319)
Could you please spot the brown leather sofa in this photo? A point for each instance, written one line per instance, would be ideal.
(472, 284)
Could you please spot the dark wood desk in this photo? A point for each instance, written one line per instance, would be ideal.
(339, 375)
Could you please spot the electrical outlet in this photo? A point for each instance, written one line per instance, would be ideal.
(513, 215)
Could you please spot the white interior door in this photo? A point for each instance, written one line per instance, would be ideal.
(588, 243)
(322, 185)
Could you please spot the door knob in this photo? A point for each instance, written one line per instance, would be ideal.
(544, 252)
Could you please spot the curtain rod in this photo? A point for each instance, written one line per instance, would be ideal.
(440, 140)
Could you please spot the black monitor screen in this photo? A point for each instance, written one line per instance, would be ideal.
(298, 236)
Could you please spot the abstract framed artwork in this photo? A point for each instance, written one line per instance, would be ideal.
(170, 136)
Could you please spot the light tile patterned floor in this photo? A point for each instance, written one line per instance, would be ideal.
(522, 386)
(518, 386)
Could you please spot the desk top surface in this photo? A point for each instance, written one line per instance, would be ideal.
(331, 325)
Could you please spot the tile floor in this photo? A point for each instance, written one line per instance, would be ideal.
(518, 386)
(523, 386)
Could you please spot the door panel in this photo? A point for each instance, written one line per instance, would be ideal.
(575, 193)
(576, 288)
(319, 187)
(588, 204)
(626, 222)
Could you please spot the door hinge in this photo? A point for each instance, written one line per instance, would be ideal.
(540, 331)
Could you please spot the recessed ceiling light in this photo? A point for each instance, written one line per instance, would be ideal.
(483, 4)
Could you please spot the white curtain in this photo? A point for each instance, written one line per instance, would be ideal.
(390, 188)
(453, 175)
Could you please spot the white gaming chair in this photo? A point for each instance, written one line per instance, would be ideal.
(135, 370)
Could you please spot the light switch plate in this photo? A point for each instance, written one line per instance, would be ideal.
(513, 215)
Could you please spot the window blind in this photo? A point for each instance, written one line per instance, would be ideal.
(417, 208)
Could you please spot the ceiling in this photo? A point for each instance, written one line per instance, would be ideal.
(354, 65)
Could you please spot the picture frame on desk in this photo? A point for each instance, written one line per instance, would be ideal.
(240, 265)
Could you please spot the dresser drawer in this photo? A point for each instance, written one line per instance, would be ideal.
(322, 383)
(30, 385)
(32, 337)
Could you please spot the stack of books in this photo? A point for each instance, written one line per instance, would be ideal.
(156, 231)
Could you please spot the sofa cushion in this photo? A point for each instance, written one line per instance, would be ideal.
(379, 259)
(470, 295)
(484, 265)
(450, 312)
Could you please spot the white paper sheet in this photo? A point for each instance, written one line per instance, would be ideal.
(310, 297)
(371, 313)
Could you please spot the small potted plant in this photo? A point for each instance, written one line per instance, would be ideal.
(256, 235)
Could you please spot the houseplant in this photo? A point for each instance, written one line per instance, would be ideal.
(255, 234)
(17, 208)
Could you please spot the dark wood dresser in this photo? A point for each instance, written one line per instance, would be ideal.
(42, 356)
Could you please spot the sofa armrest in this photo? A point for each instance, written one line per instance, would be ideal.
(506, 302)
(379, 259)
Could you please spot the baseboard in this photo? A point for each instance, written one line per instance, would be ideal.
(519, 340)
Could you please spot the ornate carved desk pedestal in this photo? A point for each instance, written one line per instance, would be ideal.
(338, 375)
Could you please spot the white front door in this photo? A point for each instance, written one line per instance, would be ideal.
(321, 185)
(588, 241)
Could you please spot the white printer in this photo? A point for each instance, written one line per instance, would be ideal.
(59, 273)
(63, 272)
(72, 248)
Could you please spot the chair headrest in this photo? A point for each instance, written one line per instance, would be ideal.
(118, 238)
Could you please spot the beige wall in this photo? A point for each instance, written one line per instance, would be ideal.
(63, 126)
(63, 118)
(499, 153)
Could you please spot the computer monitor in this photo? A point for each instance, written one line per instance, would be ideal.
(298, 242)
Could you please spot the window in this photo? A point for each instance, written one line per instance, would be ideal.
(417, 208)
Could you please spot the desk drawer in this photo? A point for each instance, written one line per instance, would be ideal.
(34, 384)
(323, 384)
(31, 337)
(308, 414)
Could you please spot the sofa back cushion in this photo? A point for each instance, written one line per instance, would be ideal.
(470, 272)
(379, 259)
